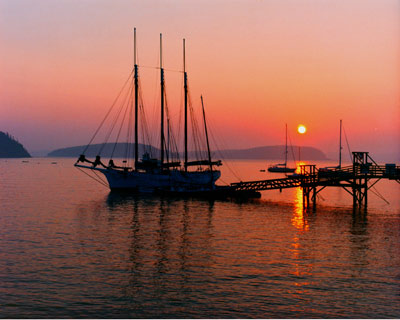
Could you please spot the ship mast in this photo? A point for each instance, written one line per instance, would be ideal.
(162, 104)
(340, 145)
(205, 129)
(136, 104)
(186, 100)
(286, 151)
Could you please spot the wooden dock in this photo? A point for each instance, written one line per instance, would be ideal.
(356, 179)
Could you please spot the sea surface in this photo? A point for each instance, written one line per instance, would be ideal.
(69, 248)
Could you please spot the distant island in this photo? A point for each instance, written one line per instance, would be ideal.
(11, 148)
(106, 150)
(258, 153)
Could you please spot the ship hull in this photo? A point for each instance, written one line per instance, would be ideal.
(172, 180)
(153, 182)
(277, 169)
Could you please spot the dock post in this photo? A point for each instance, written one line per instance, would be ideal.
(314, 197)
(308, 184)
(365, 192)
(306, 196)
(360, 178)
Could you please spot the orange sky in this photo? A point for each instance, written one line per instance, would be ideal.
(259, 64)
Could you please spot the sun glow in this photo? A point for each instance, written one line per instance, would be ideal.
(301, 129)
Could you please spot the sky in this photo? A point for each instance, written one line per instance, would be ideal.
(258, 64)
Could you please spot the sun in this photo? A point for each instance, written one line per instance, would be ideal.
(301, 129)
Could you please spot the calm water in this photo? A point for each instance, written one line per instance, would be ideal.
(69, 248)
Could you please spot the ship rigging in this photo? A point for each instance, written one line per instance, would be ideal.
(150, 173)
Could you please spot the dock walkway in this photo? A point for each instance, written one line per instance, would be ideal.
(354, 179)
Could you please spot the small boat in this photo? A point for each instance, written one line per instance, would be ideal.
(282, 167)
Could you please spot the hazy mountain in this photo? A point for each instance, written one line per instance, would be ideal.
(266, 152)
(11, 148)
(106, 150)
(40, 153)
(275, 152)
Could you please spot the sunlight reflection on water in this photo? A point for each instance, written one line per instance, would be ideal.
(72, 249)
(298, 219)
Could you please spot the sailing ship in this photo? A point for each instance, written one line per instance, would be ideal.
(159, 174)
(282, 167)
(339, 166)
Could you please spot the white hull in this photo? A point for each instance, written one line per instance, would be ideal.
(169, 180)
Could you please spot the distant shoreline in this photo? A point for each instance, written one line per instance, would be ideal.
(275, 152)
